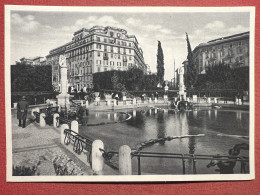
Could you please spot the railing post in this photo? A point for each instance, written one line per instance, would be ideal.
(56, 122)
(115, 102)
(75, 126)
(139, 165)
(42, 120)
(62, 136)
(97, 158)
(125, 162)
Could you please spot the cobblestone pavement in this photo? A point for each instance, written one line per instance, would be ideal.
(36, 146)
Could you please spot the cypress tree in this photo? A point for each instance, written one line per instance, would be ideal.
(191, 74)
(160, 63)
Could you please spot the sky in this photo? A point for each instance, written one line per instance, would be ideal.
(35, 33)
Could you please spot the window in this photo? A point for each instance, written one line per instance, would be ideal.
(239, 50)
(124, 51)
(98, 69)
(118, 51)
(240, 58)
(130, 50)
(111, 48)
(105, 69)
(105, 48)
(111, 34)
(130, 57)
(98, 46)
(118, 63)
(240, 43)
(221, 53)
(98, 39)
(231, 45)
(129, 44)
(118, 42)
(111, 63)
(105, 40)
(118, 56)
(111, 55)
(98, 53)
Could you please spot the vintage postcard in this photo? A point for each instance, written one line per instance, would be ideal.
(117, 94)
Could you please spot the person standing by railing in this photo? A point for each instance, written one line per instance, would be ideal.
(22, 109)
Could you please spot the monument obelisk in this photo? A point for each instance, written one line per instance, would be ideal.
(63, 97)
(182, 93)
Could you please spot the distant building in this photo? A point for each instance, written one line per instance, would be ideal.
(232, 50)
(26, 61)
(97, 49)
(39, 61)
(33, 61)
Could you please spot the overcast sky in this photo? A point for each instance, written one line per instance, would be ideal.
(36, 33)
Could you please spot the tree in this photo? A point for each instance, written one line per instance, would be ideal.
(190, 76)
(160, 63)
(28, 78)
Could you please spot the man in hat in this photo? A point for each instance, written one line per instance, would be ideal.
(22, 109)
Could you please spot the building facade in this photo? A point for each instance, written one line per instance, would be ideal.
(97, 49)
(231, 50)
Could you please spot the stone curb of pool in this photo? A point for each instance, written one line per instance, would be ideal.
(129, 116)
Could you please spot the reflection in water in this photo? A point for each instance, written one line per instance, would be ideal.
(184, 129)
(195, 113)
(108, 116)
(191, 145)
(215, 114)
(134, 113)
(161, 130)
(155, 111)
(239, 115)
(144, 126)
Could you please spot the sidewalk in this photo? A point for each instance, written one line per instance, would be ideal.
(35, 146)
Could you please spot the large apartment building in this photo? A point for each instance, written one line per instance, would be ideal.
(97, 49)
(232, 50)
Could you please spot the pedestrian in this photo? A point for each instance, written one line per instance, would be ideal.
(22, 109)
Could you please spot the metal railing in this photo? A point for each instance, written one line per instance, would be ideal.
(192, 157)
(79, 142)
(183, 157)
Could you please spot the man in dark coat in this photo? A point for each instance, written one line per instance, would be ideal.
(22, 109)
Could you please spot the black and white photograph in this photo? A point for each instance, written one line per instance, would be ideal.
(117, 94)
